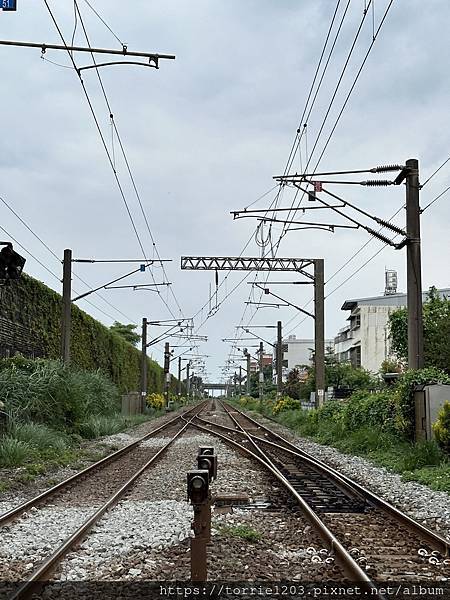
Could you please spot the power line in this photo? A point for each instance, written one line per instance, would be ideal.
(52, 273)
(104, 22)
(94, 116)
(434, 173)
(25, 224)
(130, 173)
(435, 199)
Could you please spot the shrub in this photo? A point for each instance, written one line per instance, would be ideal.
(286, 403)
(155, 401)
(442, 427)
(403, 403)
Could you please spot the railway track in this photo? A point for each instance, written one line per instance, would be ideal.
(374, 541)
(101, 486)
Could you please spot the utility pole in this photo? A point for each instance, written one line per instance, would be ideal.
(179, 377)
(240, 381)
(66, 317)
(413, 267)
(144, 361)
(279, 357)
(319, 330)
(166, 372)
(248, 373)
(188, 386)
(261, 372)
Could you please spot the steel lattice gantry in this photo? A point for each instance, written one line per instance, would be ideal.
(241, 263)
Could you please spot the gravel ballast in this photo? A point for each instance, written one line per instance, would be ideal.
(418, 501)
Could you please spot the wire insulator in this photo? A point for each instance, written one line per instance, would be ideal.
(380, 236)
(391, 226)
(377, 182)
(386, 168)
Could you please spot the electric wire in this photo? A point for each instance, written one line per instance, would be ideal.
(47, 247)
(130, 173)
(52, 273)
(435, 173)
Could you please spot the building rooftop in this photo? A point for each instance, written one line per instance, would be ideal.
(391, 300)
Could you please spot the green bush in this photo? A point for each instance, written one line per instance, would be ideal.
(442, 427)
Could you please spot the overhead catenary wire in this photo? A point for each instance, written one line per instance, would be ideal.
(127, 163)
(291, 157)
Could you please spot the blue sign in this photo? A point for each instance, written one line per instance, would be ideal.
(9, 4)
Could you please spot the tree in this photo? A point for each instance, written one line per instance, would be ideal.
(436, 332)
(127, 332)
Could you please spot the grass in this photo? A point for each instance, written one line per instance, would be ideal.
(13, 452)
(241, 531)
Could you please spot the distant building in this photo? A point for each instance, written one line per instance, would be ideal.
(364, 341)
(267, 360)
(298, 352)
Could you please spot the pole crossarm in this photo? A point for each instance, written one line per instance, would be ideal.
(153, 57)
(240, 263)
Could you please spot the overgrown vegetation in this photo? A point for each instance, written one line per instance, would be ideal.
(436, 331)
(50, 408)
(33, 307)
(377, 425)
(442, 427)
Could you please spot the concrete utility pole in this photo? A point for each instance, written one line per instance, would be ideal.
(414, 267)
(166, 372)
(248, 373)
(240, 381)
(261, 372)
(66, 317)
(319, 330)
(179, 377)
(188, 382)
(279, 357)
(144, 361)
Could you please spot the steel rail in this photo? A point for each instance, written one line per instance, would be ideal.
(37, 579)
(13, 513)
(349, 565)
(440, 543)
(346, 486)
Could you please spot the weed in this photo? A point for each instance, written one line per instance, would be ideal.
(241, 531)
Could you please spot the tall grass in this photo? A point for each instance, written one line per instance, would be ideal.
(98, 425)
(13, 452)
(49, 392)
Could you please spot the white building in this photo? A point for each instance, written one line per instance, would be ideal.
(364, 341)
(298, 352)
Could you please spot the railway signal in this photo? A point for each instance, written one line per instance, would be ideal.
(207, 460)
(11, 263)
(198, 486)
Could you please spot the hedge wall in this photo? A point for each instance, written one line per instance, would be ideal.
(27, 305)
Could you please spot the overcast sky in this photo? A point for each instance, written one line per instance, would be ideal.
(206, 133)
